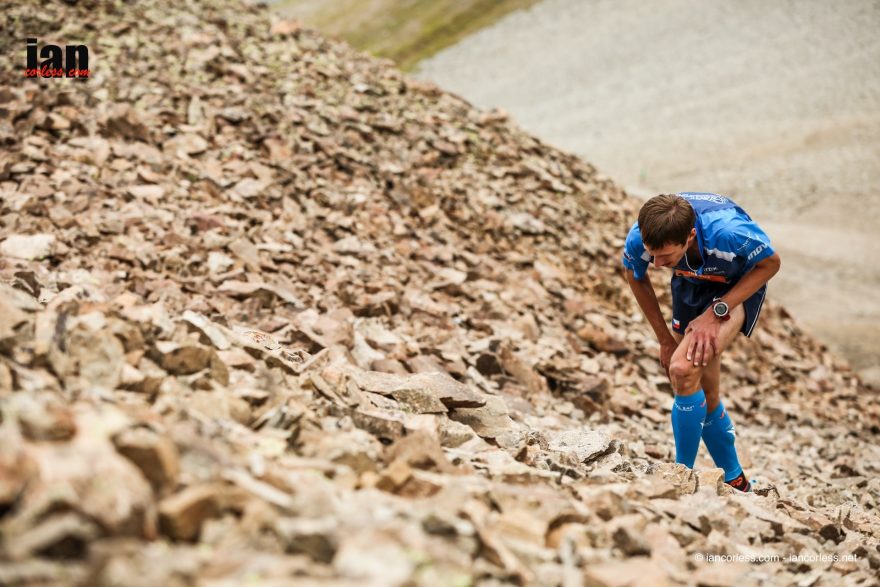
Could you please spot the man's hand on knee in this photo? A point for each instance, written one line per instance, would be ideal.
(703, 339)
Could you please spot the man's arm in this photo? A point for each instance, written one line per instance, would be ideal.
(647, 299)
(702, 346)
(752, 281)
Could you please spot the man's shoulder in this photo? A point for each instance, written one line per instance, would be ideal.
(735, 233)
(634, 251)
(634, 236)
(728, 221)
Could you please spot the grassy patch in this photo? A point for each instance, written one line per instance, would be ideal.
(406, 31)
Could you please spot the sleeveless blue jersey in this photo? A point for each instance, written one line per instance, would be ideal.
(730, 242)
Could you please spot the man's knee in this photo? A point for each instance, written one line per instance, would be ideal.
(682, 371)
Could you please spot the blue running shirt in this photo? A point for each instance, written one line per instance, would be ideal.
(730, 242)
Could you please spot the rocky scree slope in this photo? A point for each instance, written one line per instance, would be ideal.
(270, 310)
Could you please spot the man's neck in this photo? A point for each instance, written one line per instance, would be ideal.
(693, 252)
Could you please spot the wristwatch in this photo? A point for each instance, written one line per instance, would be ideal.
(721, 309)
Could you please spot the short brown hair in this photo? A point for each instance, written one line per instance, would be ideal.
(665, 219)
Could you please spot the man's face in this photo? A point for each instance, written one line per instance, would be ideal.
(670, 254)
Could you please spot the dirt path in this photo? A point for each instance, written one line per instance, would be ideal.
(776, 105)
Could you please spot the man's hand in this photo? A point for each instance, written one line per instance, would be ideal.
(667, 348)
(703, 345)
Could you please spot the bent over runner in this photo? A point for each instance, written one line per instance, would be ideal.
(721, 261)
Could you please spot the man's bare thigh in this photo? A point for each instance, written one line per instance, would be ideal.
(726, 334)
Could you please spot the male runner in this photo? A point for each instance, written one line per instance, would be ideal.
(721, 263)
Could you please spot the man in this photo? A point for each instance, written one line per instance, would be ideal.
(721, 262)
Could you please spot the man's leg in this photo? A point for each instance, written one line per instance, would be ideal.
(689, 408)
(710, 381)
(684, 375)
(718, 432)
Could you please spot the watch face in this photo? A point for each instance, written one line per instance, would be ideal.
(720, 309)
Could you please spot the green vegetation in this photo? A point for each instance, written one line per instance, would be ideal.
(405, 31)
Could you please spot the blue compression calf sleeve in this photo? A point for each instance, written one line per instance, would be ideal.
(688, 413)
(719, 436)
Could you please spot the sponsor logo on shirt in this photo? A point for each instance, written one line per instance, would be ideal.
(715, 278)
(706, 198)
(756, 252)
